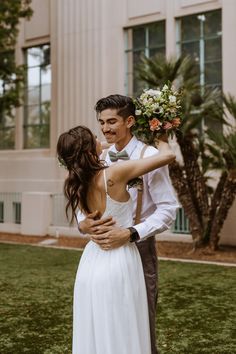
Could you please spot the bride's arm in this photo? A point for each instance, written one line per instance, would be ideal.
(127, 170)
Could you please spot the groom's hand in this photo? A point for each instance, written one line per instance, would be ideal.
(113, 238)
(91, 223)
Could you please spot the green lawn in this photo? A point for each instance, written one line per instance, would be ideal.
(196, 312)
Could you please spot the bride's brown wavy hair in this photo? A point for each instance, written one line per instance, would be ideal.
(76, 149)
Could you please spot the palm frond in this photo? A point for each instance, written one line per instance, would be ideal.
(230, 103)
(157, 70)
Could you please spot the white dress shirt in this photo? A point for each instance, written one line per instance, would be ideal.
(159, 204)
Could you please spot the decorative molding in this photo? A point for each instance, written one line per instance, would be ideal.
(140, 8)
(189, 3)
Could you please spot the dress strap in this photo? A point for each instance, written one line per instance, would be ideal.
(105, 180)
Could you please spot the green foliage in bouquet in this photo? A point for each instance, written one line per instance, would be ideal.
(157, 112)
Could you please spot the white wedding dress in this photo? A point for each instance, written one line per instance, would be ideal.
(110, 313)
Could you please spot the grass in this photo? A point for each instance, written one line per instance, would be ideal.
(196, 312)
(197, 309)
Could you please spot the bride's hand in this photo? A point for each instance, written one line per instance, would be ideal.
(163, 138)
(163, 145)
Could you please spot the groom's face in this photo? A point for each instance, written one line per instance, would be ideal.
(115, 128)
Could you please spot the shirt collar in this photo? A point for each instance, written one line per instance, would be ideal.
(129, 148)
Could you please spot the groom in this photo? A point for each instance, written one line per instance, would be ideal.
(116, 116)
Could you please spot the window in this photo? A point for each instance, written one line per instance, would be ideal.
(37, 98)
(7, 122)
(145, 40)
(7, 130)
(200, 36)
(181, 225)
(1, 212)
(17, 212)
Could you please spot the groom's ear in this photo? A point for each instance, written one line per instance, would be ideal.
(130, 121)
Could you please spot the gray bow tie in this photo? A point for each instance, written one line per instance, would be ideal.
(114, 156)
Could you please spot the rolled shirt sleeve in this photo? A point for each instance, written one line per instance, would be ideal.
(159, 204)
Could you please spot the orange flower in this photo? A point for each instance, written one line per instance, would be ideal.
(167, 125)
(154, 124)
(176, 122)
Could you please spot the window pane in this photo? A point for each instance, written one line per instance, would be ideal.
(38, 97)
(7, 114)
(46, 75)
(147, 40)
(1, 212)
(9, 121)
(139, 38)
(46, 55)
(137, 57)
(191, 49)
(7, 138)
(33, 76)
(155, 51)
(213, 74)
(37, 56)
(34, 95)
(45, 113)
(212, 23)
(45, 132)
(39, 114)
(137, 84)
(200, 37)
(156, 34)
(36, 136)
(46, 93)
(213, 49)
(33, 114)
(17, 212)
(34, 56)
(190, 28)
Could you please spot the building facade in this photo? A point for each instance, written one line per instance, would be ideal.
(77, 51)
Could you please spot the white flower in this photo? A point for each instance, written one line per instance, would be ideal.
(172, 99)
(153, 93)
(165, 88)
(138, 112)
(145, 101)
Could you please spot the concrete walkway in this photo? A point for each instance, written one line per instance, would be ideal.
(49, 244)
(197, 261)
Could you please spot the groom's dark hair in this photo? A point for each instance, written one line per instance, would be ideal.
(123, 104)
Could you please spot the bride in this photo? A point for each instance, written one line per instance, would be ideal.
(110, 312)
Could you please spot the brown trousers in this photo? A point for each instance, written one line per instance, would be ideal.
(148, 255)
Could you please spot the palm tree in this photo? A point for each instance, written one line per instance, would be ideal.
(223, 158)
(205, 206)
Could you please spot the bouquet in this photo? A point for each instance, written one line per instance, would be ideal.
(158, 112)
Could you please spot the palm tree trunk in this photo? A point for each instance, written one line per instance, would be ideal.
(195, 179)
(182, 188)
(226, 201)
(215, 202)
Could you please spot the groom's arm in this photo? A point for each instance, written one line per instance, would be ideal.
(166, 205)
(161, 219)
(89, 224)
(114, 237)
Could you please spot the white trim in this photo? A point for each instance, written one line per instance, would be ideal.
(10, 228)
(58, 231)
